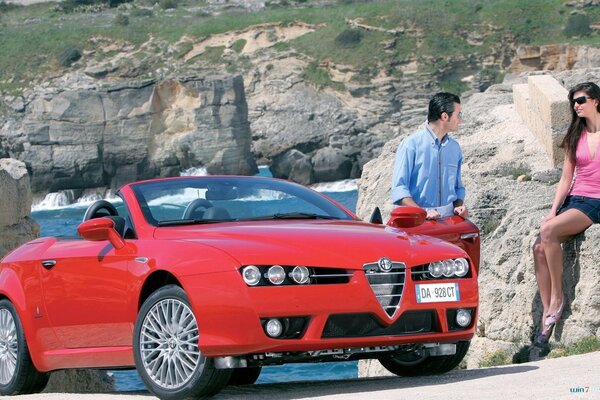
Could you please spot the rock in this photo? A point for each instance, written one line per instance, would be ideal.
(80, 381)
(293, 165)
(90, 138)
(331, 164)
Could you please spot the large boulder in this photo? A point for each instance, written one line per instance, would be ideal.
(16, 225)
(95, 137)
(498, 149)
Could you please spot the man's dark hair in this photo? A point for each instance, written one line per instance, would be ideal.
(441, 103)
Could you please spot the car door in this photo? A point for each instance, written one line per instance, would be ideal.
(87, 293)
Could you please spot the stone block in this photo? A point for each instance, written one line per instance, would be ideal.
(549, 98)
(543, 105)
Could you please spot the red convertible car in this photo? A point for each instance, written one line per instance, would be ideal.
(198, 282)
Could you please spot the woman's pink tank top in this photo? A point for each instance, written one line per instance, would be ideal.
(587, 180)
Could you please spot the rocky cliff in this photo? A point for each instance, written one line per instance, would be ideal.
(93, 137)
(498, 148)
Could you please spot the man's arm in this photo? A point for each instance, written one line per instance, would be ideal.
(459, 207)
(403, 166)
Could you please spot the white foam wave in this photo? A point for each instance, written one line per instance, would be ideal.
(346, 185)
(67, 198)
(194, 171)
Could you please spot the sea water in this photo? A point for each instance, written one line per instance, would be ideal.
(57, 218)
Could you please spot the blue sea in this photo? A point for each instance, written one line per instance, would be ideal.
(56, 218)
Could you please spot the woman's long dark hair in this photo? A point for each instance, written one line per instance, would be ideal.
(569, 143)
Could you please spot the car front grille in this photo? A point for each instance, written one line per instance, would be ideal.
(387, 286)
(365, 325)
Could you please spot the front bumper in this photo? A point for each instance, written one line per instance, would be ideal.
(339, 316)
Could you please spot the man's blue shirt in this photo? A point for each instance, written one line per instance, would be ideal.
(428, 170)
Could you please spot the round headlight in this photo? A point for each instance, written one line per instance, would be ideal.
(448, 269)
(300, 274)
(274, 328)
(461, 267)
(276, 274)
(463, 317)
(251, 275)
(436, 269)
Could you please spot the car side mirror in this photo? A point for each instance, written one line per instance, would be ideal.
(376, 216)
(407, 217)
(98, 229)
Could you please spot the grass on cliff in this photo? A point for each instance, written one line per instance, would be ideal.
(31, 37)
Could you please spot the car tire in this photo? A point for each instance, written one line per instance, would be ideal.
(167, 355)
(244, 376)
(18, 375)
(420, 364)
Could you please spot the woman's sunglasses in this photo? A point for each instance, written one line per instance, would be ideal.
(580, 100)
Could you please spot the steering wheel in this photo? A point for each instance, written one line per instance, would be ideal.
(100, 208)
(194, 206)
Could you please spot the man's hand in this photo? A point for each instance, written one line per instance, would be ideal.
(432, 214)
(461, 211)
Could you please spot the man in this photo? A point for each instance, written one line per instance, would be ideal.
(428, 163)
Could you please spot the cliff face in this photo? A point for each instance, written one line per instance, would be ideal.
(91, 138)
(497, 147)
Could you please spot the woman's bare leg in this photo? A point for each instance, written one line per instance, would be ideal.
(552, 234)
(542, 275)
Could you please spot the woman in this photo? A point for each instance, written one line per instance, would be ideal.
(575, 207)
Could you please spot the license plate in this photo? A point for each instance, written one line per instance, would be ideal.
(437, 292)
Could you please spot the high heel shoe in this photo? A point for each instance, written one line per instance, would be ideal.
(552, 319)
(544, 336)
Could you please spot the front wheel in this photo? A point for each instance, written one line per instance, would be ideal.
(166, 351)
(18, 375)
(418, 363)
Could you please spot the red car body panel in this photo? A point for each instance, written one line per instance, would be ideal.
(81, 312)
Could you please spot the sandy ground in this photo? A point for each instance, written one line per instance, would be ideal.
(574, 377)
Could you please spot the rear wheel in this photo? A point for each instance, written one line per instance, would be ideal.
(17, 373)
(419, 363)
(166, 351)
(244, 376)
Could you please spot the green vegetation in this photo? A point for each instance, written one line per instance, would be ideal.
(586, 345)
(238, 45)
(578, 25)
(320, 77)
(405, 30)
(498, 357)
(514, 170)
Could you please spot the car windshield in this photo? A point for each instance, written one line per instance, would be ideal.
(201, 200)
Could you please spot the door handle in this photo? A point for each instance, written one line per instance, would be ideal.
(48, 263)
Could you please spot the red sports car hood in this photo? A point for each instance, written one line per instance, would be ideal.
(344, 244)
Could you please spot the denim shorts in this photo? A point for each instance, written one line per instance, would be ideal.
(590, 206)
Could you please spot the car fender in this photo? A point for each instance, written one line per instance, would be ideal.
(11, 288)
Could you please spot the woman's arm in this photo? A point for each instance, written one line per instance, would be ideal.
(562, 189)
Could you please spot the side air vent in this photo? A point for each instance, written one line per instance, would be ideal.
(387, 282)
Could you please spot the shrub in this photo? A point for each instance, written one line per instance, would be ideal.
(167, 4)
(141, 12)
(121, 20)
(68, 56)
(116, 3)
(348, 38)
(498, 357)
(238, 45)
(4, 7)
(577, 25)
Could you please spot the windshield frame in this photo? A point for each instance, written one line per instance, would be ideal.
(331, 209)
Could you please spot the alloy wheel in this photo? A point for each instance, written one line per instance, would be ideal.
(169, 344)
(8, 346)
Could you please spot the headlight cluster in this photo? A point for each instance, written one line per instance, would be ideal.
(275, 275)
(457, 267)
